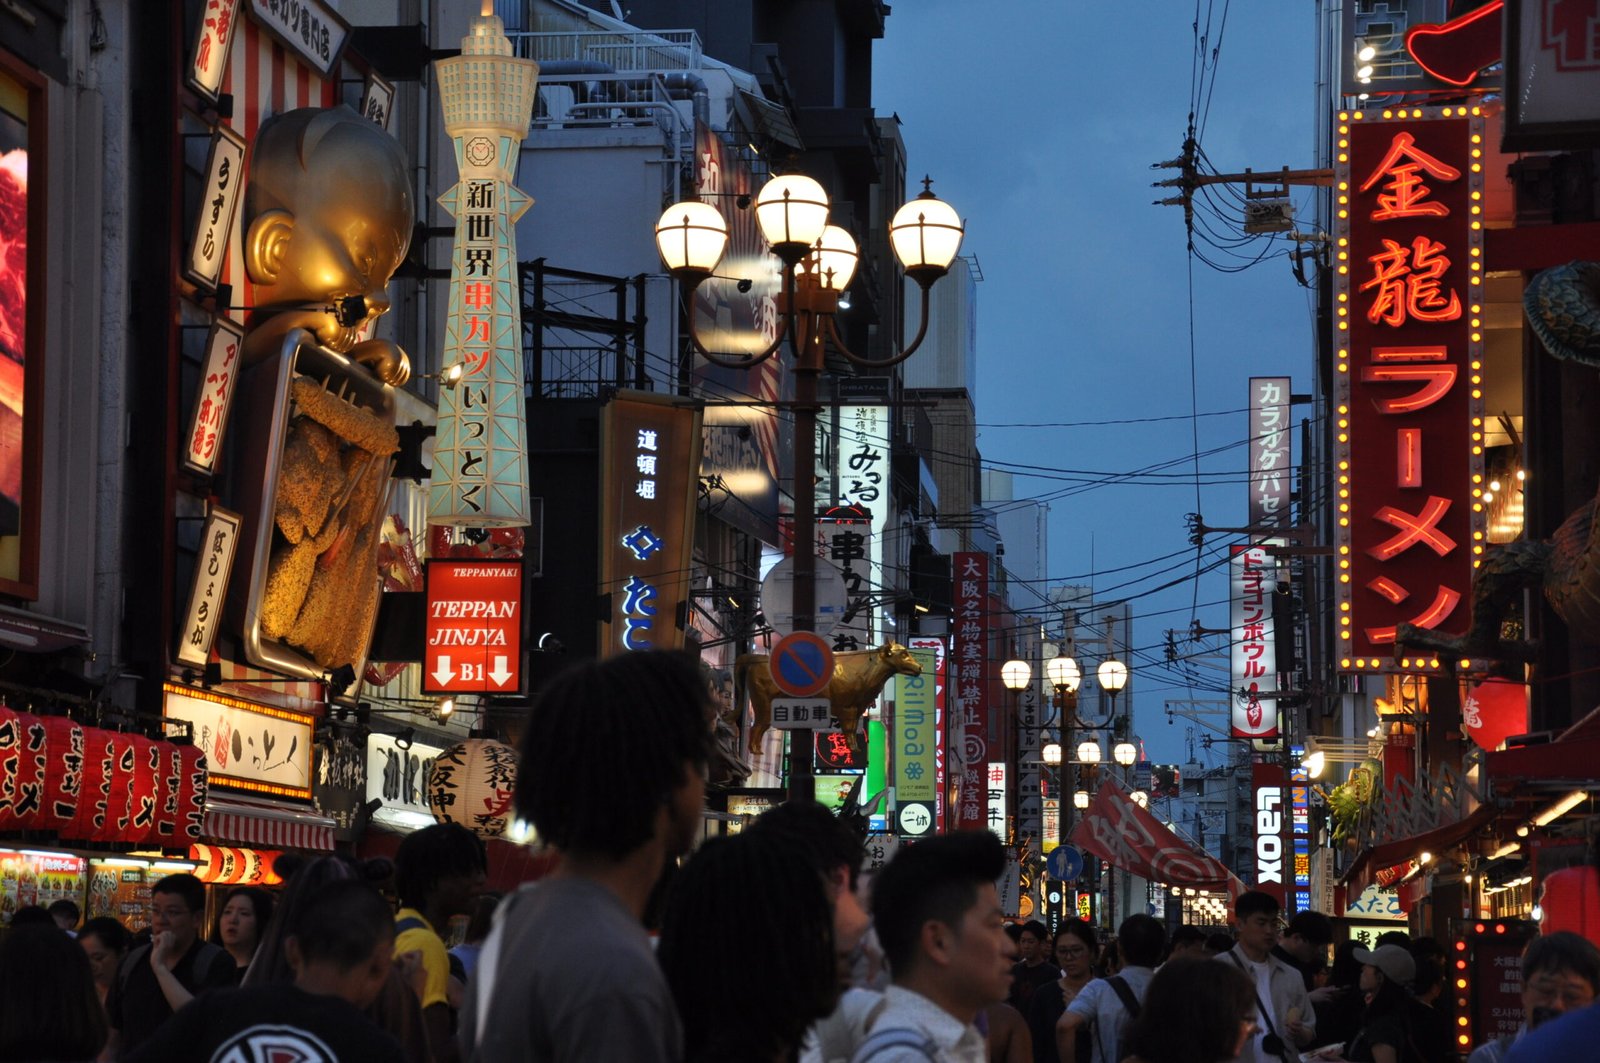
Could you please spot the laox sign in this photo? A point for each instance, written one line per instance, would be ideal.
(1269, 835)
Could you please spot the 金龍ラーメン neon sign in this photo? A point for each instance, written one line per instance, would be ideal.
(1408, 370)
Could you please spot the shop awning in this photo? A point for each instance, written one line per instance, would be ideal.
(22, 630)
(1387, 854)
(266, 827)
(1573, 760)
(1129, 837)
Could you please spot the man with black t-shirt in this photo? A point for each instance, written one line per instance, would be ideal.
(340, 947)
(1033, 969)
(159, 978)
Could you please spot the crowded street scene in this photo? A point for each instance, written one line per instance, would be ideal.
(518, 544)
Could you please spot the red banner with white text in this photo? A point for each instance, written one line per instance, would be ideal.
(1127, 836)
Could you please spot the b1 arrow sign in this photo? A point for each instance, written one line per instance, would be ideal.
(473, 628)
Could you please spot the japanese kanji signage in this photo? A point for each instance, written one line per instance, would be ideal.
(995, 788)
(650, 470)
(850, 533)
(218, 19)
(473, 627)
(915, 737)
(1255, 657)
(1300, 806)
(936, 647)
(312, 29)
(1269, 451)
(248, 746)
(219, 375)
(480, 470)
(377, 99)
(213, 563)
(969, 679)
(1408, 376)
(399, 776)
(219, 201)
(1552, 55)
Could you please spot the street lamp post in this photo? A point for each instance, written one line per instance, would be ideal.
(1064, 675)
(819, 261)
(1015, 675)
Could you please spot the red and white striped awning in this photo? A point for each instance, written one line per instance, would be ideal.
(266, 827)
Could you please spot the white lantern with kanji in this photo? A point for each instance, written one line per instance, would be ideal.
(472, 784)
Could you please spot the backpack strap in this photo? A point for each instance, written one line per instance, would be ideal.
(895, 1037)
(1125, 994)
(410, 922)
(129, 961)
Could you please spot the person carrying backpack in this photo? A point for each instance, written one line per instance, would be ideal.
(939, 920)
(1108, 1006)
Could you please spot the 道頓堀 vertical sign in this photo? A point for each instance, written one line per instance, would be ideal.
(480, 470)
(969, 679)
(650, 470)
(1408, 378)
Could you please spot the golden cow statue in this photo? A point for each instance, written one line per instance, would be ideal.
(858, 678)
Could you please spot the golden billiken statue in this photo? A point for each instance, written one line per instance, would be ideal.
(328, 217)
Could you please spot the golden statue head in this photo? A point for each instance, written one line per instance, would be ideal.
(328, 213)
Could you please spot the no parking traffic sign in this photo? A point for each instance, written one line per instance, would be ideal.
(801, 664)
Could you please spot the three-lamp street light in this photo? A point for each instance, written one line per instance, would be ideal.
(819, 261)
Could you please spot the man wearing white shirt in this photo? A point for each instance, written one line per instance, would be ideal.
(938, 917)
(1284, 1019)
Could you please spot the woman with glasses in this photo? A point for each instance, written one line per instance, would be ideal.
(1195, 1011)
(1073, 950)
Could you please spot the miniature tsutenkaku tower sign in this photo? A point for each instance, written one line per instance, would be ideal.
(480, 474)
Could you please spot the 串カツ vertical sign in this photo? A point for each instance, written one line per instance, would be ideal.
(969, 679)
(1408, 376)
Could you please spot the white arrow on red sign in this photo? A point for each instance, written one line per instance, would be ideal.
(445, 672)
(500, 673)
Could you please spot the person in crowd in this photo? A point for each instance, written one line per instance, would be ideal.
(1193, 1012)
(1304, 945)
(778, 900)
(50, 1010)
(1434, 1036)
(341, 948)
(66, 914)
(105, 942)
(1219, 942)
(1187, 941)
(1073, 951)
(32, 915)
(835, 852)
(478, 922)
(1284, 1016)
(1108, 1006)
(397, 1009)
(1560, 973)
(439, 871)
(1110, 961)
(1393, 937)
(1388, 1026)
(1035, 968)
(580, 981)
(244, 916)
(159, 978)
(1339, 1003)
(1007, 1039)
(938, 916)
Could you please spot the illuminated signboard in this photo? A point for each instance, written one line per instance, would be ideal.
(213, 564)
(915, 737)
(219, 376)
(1269, 450)
(1271, 813)
(219, 201)
(473, 628)
(1300, 805)
(1254, 654)
(650, 470)
(1408, 372)
(996, 789)
(969, 679)
(247, 746)
(480, 471)
(218, 20)
(936, 648)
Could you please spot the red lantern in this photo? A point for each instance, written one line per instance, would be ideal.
(472, 783)
(99, 763)
(10, 756)
(1571, 901)
(192, 795)
(63, 782)
(116, 828)
(22, 787)
(166, 832)
(145, 793)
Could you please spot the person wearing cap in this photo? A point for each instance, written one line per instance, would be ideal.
(1385, 1034)
(1284, 1019)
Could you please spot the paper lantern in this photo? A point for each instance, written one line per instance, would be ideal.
(472, 783)
(10, 758)
(145, 793)
(119, 798)
(1571, 901)
(166, 832)
(99, 765)
(192, 794)
(23, 773)
(226, 866)
(63, 780)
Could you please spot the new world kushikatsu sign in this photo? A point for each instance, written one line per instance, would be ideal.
(1408, 372)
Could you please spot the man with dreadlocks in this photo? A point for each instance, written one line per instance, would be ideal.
(567, 973)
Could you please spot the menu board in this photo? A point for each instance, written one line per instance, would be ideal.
(38, 878)
(120, 892)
